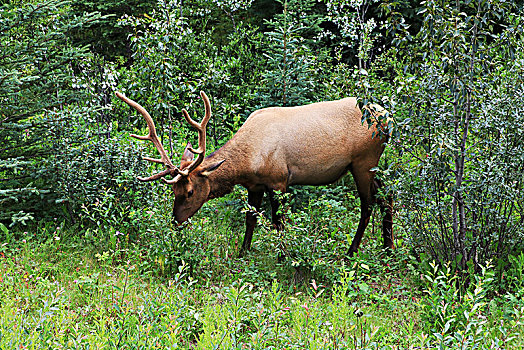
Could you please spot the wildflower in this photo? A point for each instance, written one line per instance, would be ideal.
(306, 308)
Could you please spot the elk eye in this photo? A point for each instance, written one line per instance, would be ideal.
(190, 193)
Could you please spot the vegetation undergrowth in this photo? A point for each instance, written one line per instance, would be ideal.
(101, 289)
(89, 257)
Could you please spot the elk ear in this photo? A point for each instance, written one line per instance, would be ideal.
(188, 155)
(211, 168)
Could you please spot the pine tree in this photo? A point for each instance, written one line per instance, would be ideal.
(288, 80)
(35, 84)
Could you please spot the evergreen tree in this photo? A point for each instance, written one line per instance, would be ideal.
(288, 80)
(108, 36)
(36, 71)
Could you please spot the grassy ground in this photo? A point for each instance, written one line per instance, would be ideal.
(69, 288)
(66, 296)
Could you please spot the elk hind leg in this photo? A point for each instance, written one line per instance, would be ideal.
(364, 182)
(254, 199)
(386, 206)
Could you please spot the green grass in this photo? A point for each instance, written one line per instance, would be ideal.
(76, 288)
(60, 296)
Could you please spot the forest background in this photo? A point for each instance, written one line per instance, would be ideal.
(76, 227)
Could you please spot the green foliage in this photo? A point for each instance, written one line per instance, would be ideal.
(450, 303)
(318, 229)
(514, 274)
(36, 74)
(107, 37)
(461, 181)
(174, 59)
(95, 176)
(358, 31)
(95, 164)
(69, 292)
(288, 80)
(457, 314)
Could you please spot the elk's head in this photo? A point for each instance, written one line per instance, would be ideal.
(193, 190)
(189, 180)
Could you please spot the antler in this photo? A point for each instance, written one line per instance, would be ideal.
(164, 159)
(153, 137)
(201, 128)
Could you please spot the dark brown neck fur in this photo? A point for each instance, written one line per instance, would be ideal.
(223, 179)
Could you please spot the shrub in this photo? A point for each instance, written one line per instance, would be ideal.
(36, 77)
(460, 165)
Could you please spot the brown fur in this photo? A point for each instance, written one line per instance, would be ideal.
(277, 147)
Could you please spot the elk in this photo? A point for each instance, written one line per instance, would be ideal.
(278, 147)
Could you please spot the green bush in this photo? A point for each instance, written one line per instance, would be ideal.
(457, 315)
(176, 58)
(36, 84)
(459, 164)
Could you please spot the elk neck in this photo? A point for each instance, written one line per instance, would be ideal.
(225, 177)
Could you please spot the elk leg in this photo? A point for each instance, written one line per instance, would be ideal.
(254, 199)
(276, 216)
(364, 182)
(386, 205)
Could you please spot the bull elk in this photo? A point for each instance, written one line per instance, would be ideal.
(277, 147)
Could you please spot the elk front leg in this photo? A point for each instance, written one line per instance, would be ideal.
(254, 199)
(276, 217)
